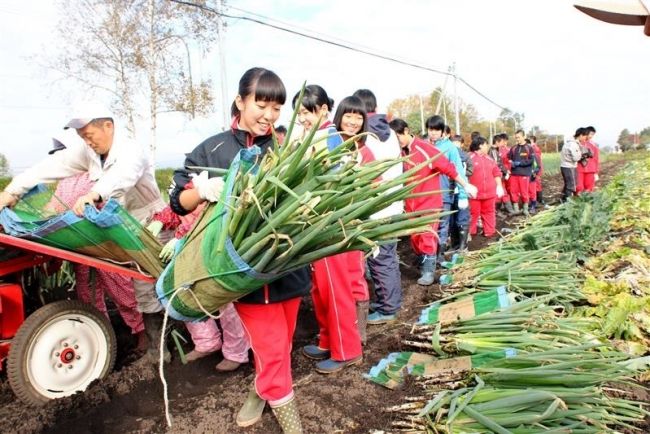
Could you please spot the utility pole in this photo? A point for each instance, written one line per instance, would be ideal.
(456, 107)
(422, 131)
(222, 62)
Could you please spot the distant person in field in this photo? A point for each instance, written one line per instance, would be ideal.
(534, 177)
(536, 193)
(589, 165)
(459, 222)
(569, 157)
(521, 158)
(499, 153)
(281, 132)
(486, 176)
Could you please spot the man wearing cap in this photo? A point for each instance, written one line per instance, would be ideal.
(120, 169)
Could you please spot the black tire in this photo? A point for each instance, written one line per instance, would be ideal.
(53, 341)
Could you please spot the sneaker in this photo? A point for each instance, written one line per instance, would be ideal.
(196, 355)
(315, 353)
(227, 365)
(380, 318)
(330, 366)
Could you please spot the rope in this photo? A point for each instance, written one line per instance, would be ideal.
(161, 360)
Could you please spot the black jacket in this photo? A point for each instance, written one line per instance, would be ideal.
(521, 158)
(219, 151)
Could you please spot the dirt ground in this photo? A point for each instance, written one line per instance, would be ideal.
(130, 400)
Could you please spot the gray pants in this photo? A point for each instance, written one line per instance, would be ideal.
(384, 270)
(569, 177)
(145, 292)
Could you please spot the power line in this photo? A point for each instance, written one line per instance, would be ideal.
(368, 52)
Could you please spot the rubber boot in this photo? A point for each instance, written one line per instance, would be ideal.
(362, 319)
(251, 412)
(509, 209)
(533, 207)
(428, 271)
(515, 209)
(153, 329)
(441, 254)
(464, 234)
(526, 210)
(288, 417)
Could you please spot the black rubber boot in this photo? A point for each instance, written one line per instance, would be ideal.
(153, 329)
(464, 235)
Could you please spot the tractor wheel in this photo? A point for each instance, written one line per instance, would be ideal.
(59, 350)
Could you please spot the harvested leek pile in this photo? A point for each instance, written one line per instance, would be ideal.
(536, 365)
(557, 391)
(530, 325)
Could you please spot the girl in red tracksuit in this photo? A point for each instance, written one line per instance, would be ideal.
(487, 178)
(588, 166)
(339, 282)
(269, 314)
(425, 244)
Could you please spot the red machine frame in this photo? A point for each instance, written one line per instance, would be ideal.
(31, 254)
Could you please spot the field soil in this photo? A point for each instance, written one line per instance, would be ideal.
(202, 400)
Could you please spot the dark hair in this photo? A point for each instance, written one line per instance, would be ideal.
(398, 125)
(367, 98)
(474, 135)
(504, 136)
(590, 129)
(447, 130)
(281, 129)
(350, 104)
(435, 122)
(264, 84)
(496, 138)
(313, 98)
(580, 132)
(527, 141)
(458, 138)
(533, 138)
(476, 143)
(520, 132)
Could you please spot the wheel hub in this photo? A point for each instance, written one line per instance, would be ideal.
(67, 355)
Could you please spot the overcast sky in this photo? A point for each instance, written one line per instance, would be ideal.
(544, 58)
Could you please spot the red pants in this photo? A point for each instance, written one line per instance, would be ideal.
(426, 243)
(485, 209)
(533, 188)
(338, 283)
(270, 328)
(585, 182)
(519, 188)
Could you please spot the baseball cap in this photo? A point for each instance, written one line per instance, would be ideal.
(65, 139)
(84, 113)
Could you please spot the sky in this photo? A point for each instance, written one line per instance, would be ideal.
(544, 58)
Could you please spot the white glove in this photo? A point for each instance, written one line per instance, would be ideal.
(471, 190)
(596, 177)
(208, 188)
(507, 177)
(500, 191)
(463, 203)
(155, 227)
(167, 251)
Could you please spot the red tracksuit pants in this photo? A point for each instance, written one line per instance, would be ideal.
(426, 243)
(269, 328)
(483, 208)
(585, 182)
(519, 188)
(339, 283)
(533, 188)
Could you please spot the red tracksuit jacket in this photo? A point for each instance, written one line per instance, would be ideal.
(419, 152)
(485, 170)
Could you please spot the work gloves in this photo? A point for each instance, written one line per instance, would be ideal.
(208, 188)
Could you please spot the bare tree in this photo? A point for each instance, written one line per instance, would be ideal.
(140, 52)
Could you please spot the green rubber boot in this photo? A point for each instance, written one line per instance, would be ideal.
(251, 412)
(288, 417)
